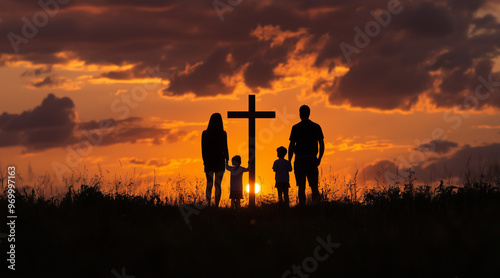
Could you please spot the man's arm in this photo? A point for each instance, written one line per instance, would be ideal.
(291, 148)
(321, 150)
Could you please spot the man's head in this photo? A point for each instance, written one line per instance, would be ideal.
(304, 112)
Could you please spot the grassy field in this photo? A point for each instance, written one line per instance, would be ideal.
(392, 231)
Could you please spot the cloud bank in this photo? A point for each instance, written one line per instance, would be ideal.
(54, 123)
(430, 52)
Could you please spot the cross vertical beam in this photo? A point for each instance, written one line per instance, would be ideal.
(251, 150)
(251, 115)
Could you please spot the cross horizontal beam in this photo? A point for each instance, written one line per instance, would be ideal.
(248, 115)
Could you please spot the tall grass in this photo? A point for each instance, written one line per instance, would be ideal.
(183, 190)
(402, 229)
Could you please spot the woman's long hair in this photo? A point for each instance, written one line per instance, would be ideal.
(215, 125)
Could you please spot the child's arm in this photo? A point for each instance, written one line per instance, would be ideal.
(246, 169)
(289, 166)
(229, 168)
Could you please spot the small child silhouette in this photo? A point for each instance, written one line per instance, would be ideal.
(282, 166)
(236, 190)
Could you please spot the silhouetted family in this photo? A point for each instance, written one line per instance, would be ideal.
(306, 143)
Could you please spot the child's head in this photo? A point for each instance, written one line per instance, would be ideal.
(281, 152)
(236, 160)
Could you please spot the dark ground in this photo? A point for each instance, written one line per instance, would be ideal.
(90, 234)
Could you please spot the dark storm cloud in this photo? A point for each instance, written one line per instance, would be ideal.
(377, 171)
(152, 162)
(206, 79)
(468, 155)
(137, 161)
(136, 133)
(480, 162)
(443, 43)
(120, 75)
(260, 70)
(46, 82)
(129, 130)
(383, 84)
(437, 146)
(54, 124)
(48, 125)
(157, 163)
(259, 74)
(37, 71)
(428, 20)
(392, 71)
(53, 112)
(93, 125)
(486, 22)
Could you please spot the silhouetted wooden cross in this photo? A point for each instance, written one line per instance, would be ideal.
(251, 115)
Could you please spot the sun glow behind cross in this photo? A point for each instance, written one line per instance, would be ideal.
(257, 188)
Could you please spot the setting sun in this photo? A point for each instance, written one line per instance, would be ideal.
(257, 188)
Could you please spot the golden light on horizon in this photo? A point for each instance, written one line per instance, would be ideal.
(257, 188)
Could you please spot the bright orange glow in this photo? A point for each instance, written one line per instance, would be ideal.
(257, 188)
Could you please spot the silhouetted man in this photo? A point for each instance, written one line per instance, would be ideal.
(304, 140)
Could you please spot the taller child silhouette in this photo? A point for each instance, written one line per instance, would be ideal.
(215, 154)
(304, 140)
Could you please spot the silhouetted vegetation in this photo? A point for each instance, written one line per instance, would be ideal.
(397, 230)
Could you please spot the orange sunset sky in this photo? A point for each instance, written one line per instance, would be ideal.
(422, 91)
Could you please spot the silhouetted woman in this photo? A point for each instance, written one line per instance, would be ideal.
(215, 154)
